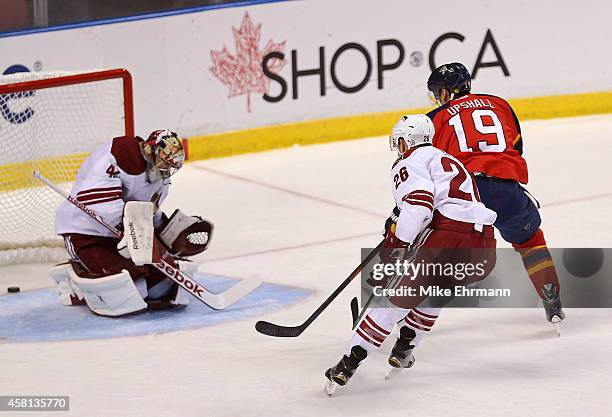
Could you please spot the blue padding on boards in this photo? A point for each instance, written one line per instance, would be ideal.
(37, 316)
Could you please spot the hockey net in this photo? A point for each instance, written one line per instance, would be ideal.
(51, 122)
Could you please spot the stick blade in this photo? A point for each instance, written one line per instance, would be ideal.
(354, 311)
(274, 330)
(237, 292)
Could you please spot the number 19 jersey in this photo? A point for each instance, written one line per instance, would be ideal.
(483, 133)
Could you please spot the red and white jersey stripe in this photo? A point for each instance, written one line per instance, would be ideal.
(371, 332)
(420, 198)
(99, 195)
(418, 320)
(427, 179)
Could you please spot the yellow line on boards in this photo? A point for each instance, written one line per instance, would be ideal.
(375, 124)
(63, 168)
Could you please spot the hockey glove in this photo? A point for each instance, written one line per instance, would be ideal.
(391, 249)
(391, 221)
(185, 235)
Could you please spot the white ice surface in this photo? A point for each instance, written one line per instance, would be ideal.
(475, 362)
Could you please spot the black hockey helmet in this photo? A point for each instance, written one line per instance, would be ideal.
(454, 77)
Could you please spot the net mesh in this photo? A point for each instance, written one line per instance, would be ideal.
(52, 130)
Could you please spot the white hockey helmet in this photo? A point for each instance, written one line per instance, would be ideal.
(413, 130)
(164, 153)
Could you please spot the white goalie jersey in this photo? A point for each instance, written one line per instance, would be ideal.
(428, 179)
(114, 174)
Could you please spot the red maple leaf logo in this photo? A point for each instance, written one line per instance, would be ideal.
(242, 72)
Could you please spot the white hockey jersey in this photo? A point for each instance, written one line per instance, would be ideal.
(428, 179)
(114, 174)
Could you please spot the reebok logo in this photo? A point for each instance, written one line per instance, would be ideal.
(182, 279)
(135, 244)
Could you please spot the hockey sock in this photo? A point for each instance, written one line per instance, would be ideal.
(421, 320)
(539, 265)
(376, 325)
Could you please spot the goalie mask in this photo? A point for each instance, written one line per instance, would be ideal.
(164, 153)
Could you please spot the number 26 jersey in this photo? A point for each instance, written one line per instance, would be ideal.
(483, 133)
(426, 180)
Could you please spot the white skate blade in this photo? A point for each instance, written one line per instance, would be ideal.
(556, 322)
(330, 387)
(392, 372)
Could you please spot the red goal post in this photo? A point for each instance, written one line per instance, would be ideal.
(51, 121)
(81, 78)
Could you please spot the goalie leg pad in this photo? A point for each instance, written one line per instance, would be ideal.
(182, 295)
(181, 299)
(67, 293)
(190, 268)
(160, 289)
(186, 235)
(173, 295)
(111, 296)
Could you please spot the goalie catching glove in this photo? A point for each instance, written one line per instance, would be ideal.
(186, 235)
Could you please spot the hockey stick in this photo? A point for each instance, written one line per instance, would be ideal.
(215, 301)
(391, 284)
(364, 308)
(271, 329)
(355, 310)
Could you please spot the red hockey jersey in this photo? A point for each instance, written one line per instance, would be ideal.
(483, 133)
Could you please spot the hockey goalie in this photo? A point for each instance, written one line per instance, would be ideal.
(125, 182)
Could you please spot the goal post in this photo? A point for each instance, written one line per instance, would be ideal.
(51, 121)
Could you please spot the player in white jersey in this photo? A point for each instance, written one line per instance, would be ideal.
(101, 272)
(439, 217)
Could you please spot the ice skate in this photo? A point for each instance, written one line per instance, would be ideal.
(401, 355)
(553, 307)
(340, 374)
(555, 314)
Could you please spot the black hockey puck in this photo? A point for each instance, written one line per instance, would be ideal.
(13, 289)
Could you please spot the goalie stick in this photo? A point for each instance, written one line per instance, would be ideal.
(215, 301)
(275, 330)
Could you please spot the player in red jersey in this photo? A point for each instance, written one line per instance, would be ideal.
(483, 132)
